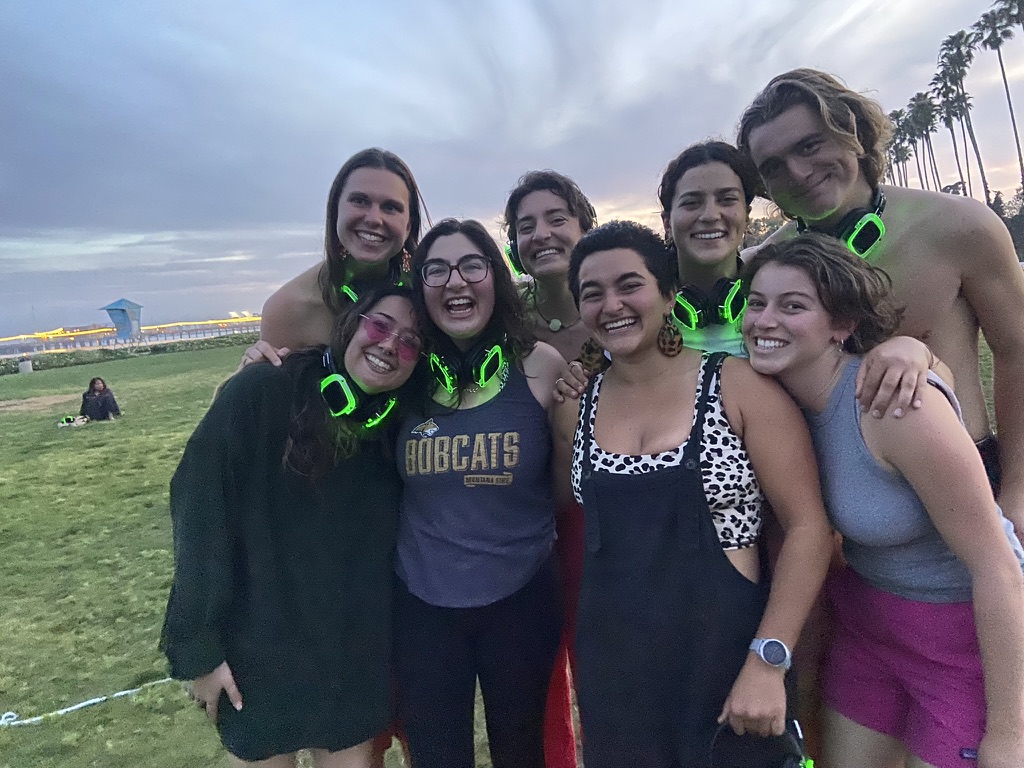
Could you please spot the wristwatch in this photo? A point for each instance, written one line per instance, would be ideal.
(772, 652)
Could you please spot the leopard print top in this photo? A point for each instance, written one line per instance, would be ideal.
(730, 485)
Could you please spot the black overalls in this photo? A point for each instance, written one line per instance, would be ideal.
(665, 620)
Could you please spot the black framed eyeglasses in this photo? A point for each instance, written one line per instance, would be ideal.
(436, 273)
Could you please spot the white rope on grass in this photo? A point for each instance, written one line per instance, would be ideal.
(11, 719)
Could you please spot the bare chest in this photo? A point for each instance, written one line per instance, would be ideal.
(926, 284)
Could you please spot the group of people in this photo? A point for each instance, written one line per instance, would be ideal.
(632, 470)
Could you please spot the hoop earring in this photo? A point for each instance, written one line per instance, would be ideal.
(670, 340)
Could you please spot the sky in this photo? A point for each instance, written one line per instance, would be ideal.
(179, 153)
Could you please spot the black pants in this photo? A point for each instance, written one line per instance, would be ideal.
(509, 645)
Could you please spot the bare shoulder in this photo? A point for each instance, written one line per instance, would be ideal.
(923, 432)
(961, 228)
(741, 380)
(543, 366)
(295, 315)
(749, 397)
(544, 362)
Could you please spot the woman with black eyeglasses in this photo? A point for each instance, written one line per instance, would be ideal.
(478, 592)
(285, 512)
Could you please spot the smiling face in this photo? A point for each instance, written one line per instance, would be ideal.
(545, 233)
(808, 172)
(373, 215)
(620, 302)
(380, 366)
(708, 217)
(460, 309)
(785, 327)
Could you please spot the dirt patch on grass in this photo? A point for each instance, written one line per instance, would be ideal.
(41, 403)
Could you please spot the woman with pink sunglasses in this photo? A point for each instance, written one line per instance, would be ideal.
(285, 512)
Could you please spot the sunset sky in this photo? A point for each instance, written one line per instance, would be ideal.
(179, 153)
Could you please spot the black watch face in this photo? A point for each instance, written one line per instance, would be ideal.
(774, 653)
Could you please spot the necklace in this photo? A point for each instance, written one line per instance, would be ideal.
(830, 382)
(554, 323)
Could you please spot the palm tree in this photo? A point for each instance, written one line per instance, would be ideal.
(899, 149)
(1013, 10)
(900, 156)
(912, 134)
(993, 29)
(948, 113)
(922, 111)
(956, 54)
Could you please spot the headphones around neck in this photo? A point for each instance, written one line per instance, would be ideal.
(344, 397)
(694, 309)
(861, 229)
(479, 366)
(394, 277)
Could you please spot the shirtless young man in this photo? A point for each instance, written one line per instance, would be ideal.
(821, 151)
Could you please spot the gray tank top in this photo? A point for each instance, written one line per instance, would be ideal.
(889, 538)
(478, 519)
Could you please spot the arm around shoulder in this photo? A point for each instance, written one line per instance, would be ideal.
(543, 366)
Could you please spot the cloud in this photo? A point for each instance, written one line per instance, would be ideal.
(189, 134)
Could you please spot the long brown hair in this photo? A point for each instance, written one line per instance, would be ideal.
(332, 273)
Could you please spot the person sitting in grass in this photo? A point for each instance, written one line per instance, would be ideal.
(98, 403)
(285, 515)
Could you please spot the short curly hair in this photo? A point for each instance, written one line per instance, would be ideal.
(857, 122)
(658, 258)
(556, 183)
(851, 290)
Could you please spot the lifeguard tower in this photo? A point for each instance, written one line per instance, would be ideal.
(127, 319)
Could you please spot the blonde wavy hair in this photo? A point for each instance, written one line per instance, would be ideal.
(857, 122)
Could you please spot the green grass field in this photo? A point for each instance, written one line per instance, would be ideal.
(86, 563)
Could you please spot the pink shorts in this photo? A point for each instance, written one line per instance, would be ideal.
(908, 669)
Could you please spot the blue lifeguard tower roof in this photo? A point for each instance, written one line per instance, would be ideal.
(126, 316)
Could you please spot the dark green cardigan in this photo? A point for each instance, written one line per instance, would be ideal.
(288, 580)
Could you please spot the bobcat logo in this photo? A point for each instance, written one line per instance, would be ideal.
(427, 429)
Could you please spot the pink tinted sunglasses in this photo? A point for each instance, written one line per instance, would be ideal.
(378, 328)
